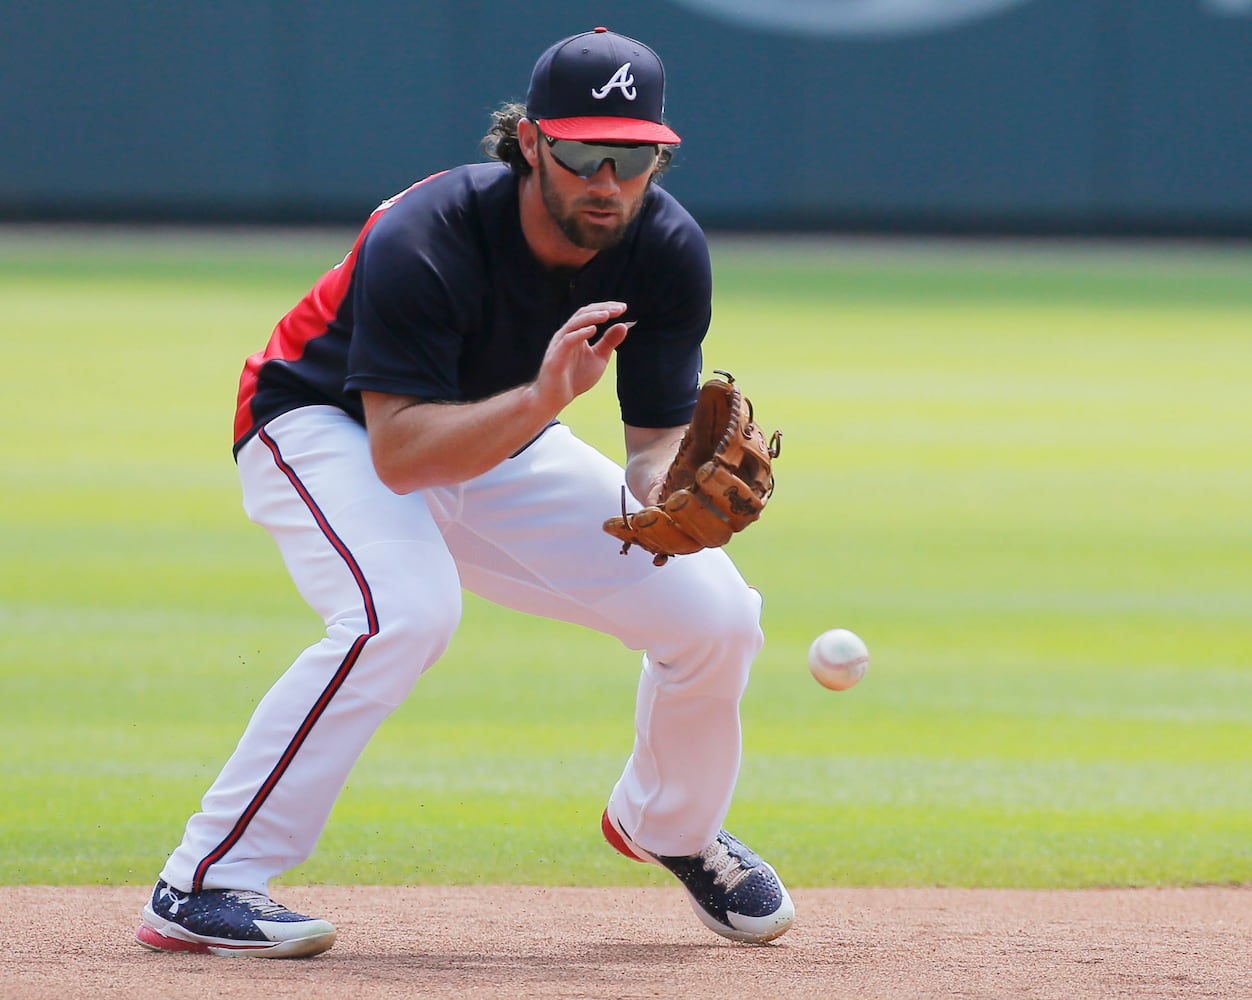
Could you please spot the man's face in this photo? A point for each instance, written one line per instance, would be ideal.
(594, 212)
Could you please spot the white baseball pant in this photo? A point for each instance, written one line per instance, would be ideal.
(385, 573)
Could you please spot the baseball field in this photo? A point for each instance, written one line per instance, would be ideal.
(1023, 473)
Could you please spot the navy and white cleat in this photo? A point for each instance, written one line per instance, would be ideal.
(229, 922)
(733, 891)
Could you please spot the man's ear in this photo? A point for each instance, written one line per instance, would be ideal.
(528, 140)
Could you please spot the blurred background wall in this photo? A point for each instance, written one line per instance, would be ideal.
(1026, 116)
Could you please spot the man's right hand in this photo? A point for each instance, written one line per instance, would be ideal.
(572, 364)
(416, 444)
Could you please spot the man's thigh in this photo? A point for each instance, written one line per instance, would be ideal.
(530, 535)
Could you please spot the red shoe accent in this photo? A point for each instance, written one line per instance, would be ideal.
(615, 838)
(149, 938)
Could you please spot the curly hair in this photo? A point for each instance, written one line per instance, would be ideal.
(500, 142)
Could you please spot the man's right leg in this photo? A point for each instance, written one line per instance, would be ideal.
(375, 567)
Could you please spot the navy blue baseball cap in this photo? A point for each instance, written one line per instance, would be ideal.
(600, 87)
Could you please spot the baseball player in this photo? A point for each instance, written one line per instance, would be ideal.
(399, 438)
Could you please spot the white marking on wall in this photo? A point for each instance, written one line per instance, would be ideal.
(881, 18)
(868, 18)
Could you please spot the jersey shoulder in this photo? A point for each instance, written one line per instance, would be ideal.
(667, 218)
(672, 246)
(446, 200)
(440, 227)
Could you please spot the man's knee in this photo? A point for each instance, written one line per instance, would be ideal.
(714, 645)
(404, 636)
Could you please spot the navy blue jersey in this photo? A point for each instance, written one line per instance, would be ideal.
(441, 299)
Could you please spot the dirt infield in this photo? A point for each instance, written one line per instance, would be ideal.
(506, 942)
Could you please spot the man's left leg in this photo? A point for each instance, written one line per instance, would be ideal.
(528, 535)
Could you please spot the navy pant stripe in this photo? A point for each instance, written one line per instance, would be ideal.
(328, 693)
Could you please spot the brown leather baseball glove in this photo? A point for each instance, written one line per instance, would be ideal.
(718, 483)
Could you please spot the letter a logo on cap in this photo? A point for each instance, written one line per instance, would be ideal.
(623, 80)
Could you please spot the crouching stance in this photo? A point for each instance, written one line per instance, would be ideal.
(399, 439)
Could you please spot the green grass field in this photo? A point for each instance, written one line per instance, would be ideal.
(1022, 474)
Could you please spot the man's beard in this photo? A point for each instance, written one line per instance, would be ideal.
(576, 229)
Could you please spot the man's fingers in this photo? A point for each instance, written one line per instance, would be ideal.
(613, 336)
(597, 313)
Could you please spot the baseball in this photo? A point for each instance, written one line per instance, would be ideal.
(838, 659)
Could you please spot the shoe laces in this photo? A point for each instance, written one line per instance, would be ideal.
(728, 869)
(258, 902)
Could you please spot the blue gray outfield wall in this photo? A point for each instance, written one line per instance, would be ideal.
(1016, 115)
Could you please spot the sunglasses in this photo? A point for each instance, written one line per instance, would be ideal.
(585, 158)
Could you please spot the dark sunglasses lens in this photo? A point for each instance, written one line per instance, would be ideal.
(585, 158)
